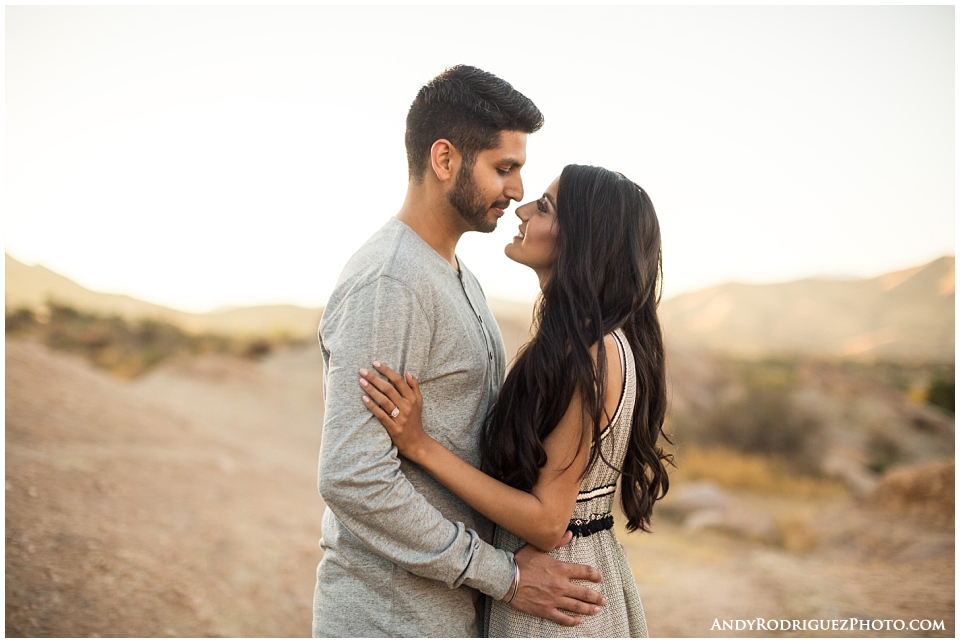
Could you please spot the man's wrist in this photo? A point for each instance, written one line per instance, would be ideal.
(514, 586)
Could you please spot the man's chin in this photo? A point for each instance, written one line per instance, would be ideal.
(486, 223)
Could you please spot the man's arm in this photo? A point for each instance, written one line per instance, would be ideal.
(361, 481)
(360, 477)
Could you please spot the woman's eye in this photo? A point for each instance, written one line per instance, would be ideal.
(542, 205)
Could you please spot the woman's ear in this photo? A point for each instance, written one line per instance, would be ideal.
(444, 159)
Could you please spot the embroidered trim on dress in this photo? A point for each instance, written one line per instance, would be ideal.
(582, 528)
(599, 492)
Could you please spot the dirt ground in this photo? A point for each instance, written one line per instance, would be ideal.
(185, 504)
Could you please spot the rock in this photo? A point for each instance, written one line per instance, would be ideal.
(697, 496)
(924, 491)
(849, 468)
(739, 523)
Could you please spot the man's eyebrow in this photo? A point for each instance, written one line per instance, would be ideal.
(512, 162)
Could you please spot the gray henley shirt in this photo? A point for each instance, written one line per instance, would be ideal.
(402, 555)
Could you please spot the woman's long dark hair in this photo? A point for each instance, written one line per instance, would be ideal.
(607, 276)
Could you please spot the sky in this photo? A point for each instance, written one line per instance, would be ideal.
(210, 157)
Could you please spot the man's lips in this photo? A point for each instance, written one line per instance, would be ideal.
(499, 207)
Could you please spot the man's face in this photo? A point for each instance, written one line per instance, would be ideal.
(481, 193)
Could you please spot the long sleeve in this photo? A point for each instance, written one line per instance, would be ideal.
(360, 476)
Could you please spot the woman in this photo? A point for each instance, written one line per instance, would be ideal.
(583, 404)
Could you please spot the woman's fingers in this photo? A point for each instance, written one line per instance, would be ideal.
(380, 414)
(377, 383)
(395, 378)
(414, 385)
(377, 396)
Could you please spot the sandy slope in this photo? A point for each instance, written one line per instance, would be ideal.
(185, 504)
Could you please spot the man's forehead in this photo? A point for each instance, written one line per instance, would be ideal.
(511, 151)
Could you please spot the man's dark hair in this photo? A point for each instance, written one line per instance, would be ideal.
(469, 107)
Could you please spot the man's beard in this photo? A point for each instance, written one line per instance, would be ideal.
(467, 200)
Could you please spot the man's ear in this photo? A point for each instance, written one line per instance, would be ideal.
(444, 159)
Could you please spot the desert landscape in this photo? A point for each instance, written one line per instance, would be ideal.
(159, 485)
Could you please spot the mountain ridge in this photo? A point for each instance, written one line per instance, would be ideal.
(32, 287)
(905, 314)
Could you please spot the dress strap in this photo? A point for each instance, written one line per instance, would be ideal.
(623, 379)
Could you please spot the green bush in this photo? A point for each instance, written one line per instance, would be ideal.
(942, 393)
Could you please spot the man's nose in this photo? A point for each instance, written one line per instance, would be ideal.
(514, 188)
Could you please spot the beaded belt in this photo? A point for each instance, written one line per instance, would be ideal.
(582, 528)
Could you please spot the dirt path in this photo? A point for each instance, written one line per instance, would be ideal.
(185, 504)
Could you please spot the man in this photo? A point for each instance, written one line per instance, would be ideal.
(402, 555)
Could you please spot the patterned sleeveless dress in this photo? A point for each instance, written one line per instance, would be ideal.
(594, 542)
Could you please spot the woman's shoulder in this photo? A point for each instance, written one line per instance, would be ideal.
(613, 363)
(611, 344)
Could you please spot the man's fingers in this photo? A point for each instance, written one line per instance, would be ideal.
(395, 378)
(578, 607)
(567, 537)
(583, 572)
(585, 595)
(561, 618)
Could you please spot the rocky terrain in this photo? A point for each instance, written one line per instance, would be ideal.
(184, 503)
(172, 490)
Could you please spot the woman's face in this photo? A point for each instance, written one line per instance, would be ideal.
(536, 244)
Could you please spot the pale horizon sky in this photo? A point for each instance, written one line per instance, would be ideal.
(205, 157)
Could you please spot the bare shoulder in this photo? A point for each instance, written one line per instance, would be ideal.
(614, 372)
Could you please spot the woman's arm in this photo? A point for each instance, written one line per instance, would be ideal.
(539, 517)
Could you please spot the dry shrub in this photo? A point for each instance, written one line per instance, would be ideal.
(765, 420)
(124, 348)
(751, 472)
(754, 407)
(923, 491)
(795, 532)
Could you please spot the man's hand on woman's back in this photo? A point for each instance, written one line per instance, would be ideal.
(546, 587)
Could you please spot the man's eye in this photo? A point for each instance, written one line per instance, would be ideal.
(502, 172)
(542, 205)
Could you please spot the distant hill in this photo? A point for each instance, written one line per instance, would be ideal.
(33, 286)
(906, 314)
